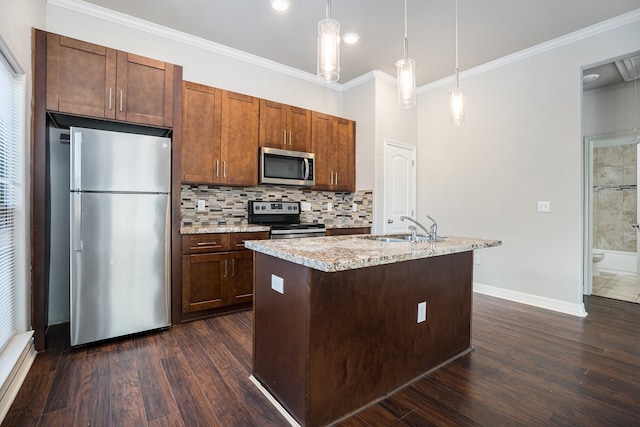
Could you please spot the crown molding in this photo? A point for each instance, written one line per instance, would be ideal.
(576, 36)
(109, 15)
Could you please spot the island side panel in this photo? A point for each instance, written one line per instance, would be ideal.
(280, 332)
(364, 337)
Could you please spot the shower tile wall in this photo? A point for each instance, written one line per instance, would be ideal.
(228, 205)
(614, 198)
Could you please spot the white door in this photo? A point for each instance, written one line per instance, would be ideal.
(399, 185)
(637, 217)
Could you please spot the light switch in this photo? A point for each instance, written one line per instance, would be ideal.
(544, 206)
(277, 283)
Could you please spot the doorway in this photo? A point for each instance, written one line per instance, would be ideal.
(612, 248)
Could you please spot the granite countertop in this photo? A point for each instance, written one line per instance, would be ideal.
(246, 228)
(340, 253)
(212, 229)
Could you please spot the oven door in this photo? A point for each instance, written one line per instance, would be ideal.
(285, 167)
(296, 233)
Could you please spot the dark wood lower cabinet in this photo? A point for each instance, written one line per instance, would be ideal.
(346, 231)
(217, 273)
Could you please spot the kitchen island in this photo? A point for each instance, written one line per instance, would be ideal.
(340, 322)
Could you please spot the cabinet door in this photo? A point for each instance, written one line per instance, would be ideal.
(144, 90)
(344, 156)
(241, 277)
(200, 133)
(239, 139)
(205, 281)
(81, 77)
(273, 124)
(298, 129)
(322, 136)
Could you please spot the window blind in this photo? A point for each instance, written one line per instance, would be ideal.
(10, 185)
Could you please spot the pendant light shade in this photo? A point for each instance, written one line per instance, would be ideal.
(329, 48)
(406, 68)
(456, 99)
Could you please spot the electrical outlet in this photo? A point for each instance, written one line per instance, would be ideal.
(354, 207)
(329, 207)
(544, 206)
(201, 206)
(476, 259)
(422, 311)
(305, 206)
(277, 284)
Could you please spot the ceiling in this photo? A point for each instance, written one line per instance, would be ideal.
(488, 29)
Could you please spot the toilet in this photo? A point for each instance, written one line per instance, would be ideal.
(597, 257)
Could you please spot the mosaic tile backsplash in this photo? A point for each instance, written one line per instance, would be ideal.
(614, 198)
(228, 205)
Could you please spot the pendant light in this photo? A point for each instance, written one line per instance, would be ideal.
(329, 47)
(406, 72)
(456, 100)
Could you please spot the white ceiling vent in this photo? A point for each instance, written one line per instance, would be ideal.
(629, 68)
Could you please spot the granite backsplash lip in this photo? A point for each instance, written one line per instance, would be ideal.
(331, 254)
(247, 228)
(217, 229)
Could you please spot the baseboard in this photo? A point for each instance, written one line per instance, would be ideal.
(274, 402)
(15, 362)
(529, 299)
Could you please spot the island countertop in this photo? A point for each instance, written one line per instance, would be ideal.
(339, 253)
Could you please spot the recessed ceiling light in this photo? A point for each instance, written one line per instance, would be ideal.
(590, 78)
(280, 5)
(350, 38)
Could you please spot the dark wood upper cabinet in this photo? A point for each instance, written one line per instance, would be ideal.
(239, 139)
(333, 143)
(200, 132)
(95, 81)
(220, 136)
(284, 126)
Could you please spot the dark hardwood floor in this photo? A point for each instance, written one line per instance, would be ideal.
(530, 367)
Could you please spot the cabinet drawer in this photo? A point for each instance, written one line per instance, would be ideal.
(237, 239)
(205, 243)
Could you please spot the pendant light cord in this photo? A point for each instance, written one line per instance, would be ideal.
(328, 9)
(406, 39)
(457, 75)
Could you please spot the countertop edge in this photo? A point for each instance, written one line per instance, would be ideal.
(329, 260)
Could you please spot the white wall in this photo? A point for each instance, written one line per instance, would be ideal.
(522, 142)
(16, 20)
(201, 60)
(359, 105)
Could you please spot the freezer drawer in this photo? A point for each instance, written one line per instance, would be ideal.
(119, 265)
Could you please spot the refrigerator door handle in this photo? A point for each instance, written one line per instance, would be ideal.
(77, 160)
(77, 222)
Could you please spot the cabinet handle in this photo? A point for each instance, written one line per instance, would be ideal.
(213, 243)
(284, 137)
(233, 268)
(217, 168)
(225, 268)
(289, 137)
(120, 99)
(110, 94)
(224, 169)
(331, 178)
(336, 178)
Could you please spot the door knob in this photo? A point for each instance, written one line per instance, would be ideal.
(389, 221)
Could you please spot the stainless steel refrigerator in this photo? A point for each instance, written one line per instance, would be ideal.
(119, 234)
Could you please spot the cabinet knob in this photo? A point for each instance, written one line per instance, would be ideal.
(389, 221)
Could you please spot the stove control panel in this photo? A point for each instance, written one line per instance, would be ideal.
(270, 208)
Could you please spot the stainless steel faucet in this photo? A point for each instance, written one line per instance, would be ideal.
(432, 232)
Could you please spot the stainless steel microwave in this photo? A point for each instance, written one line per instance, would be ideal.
(285, 167)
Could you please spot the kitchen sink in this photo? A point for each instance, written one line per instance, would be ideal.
(385, 239)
